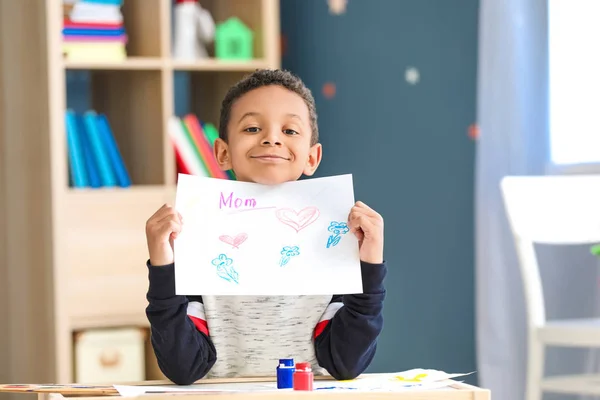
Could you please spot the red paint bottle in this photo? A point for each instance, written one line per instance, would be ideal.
(303, 377)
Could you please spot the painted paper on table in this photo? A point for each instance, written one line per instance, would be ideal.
(242, 238)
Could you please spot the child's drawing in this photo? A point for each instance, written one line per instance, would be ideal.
(287, 253)
(249, 239)
(298, 220)
(338, 229)
(224, 268)
(234, 241)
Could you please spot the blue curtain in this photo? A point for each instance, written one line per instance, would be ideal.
(514, 140)
(512, 117)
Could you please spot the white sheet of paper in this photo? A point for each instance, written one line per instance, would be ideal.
(242, 238)
(134, 391)
(412, 380)
(415, 379)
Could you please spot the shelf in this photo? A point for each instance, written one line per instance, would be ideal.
(81, 322)
(106, 276)
(109, 193)
(91, 248)
(109, 301)
(252, 13)
(131, 63)
(218, 65)
(155, 64)
(132, 102)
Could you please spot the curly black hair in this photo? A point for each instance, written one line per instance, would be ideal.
(266, 77)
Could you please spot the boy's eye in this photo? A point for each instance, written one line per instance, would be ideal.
(290, 132)
(252, 129)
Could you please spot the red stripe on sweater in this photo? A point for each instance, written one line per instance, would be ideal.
(327, 316)
(195, 311)
(320, 328)
(200, 324)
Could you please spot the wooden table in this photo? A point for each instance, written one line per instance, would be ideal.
(455, 391)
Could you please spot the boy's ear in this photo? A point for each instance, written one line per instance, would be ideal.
(221, 151)
(314, 159)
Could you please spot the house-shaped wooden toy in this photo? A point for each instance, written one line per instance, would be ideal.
(233, 40)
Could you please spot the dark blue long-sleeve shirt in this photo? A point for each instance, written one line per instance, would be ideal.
(344, 337)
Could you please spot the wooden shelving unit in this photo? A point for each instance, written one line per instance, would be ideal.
(74, 258)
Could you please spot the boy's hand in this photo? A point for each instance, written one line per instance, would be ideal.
(367, 225)
(161, 229)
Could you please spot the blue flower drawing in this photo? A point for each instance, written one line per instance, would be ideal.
(338, 229)
(287, 253)
(225, 268)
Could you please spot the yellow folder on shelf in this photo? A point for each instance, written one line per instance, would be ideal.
(79, 51)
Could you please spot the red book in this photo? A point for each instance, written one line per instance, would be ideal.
(181, 166)
(203, 147)
(68, 24)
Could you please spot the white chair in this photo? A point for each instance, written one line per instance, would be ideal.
(553, 210)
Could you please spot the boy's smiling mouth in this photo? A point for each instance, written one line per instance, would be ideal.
(270, 157)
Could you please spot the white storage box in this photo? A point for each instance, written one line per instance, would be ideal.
(110, 355)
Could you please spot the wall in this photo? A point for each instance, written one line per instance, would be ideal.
(408, 150)
(4, 327)
(25, 254)
(407, 147)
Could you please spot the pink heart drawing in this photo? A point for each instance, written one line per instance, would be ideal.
(298, 220)
(236, 241)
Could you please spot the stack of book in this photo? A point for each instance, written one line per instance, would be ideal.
(194, 143)
(93, 30)
(94, 157)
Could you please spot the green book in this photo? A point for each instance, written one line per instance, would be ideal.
(212, 133)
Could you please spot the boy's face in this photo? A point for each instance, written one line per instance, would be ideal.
(268, 138)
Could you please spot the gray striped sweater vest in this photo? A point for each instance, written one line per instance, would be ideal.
(251, 333)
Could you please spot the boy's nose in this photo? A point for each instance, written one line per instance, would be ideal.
(271, 139)
(267, 142)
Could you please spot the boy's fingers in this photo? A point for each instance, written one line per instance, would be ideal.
(168, 214)
(162, 212)
(360, 235)
(166, 226)
(362, 207)
(354, 219)
(159, 213)
(360, 204)
(365, 224)
(373, 215)
(358, 220)
(171, 230)
(369, 226)
(168, 217)
(355, 228)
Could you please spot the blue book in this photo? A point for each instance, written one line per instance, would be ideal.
(75, 152)
(112, 150)
(88, 154)
(107, 176)
(93, 32)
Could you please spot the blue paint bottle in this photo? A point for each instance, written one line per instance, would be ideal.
(285, 373)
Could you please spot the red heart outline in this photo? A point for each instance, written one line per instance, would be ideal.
(236, 241)
(298, 220)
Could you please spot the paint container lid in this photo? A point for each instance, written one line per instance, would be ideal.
(286, 362)
(304, 366)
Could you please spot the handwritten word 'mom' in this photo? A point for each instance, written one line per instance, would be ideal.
(236, 203)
